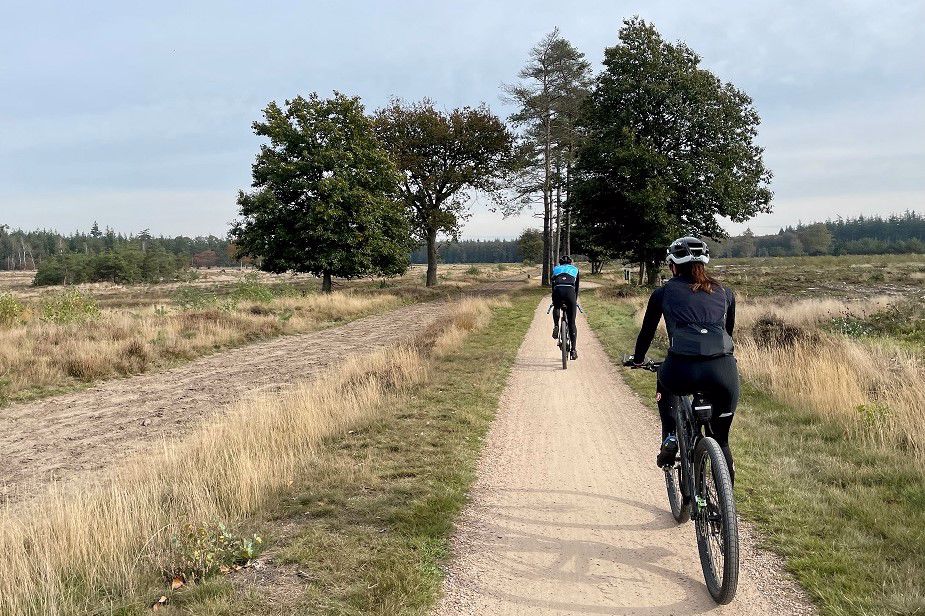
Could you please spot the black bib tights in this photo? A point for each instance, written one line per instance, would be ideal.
(566, 297)
(717, 379)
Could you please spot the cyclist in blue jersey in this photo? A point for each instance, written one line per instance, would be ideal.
(565, 296)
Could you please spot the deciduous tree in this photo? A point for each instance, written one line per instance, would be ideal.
(669, 148)
(444, 157)
(326, 194)
(530, 243)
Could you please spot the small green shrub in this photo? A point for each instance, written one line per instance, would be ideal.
(903, 320)
(193, 298)
(250, 289)
(848, 325)
(473, 271)
(201, 552)
(11, 309)
(69, 306)
(874, 414)
(187, 274)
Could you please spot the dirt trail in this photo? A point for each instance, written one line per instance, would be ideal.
(60, 437)
(569, 513)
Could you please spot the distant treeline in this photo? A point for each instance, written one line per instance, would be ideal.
(104, 255)
(896, 234)
(474, 251)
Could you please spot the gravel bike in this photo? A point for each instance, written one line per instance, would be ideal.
(700, 487)
(565, 341)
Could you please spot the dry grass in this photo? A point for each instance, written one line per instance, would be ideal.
(83, 548)
(809, 312)
(873, 389)
(469, 315)
(38, 356)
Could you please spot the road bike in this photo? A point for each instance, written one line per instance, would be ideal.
(565, 340)
(700, 487)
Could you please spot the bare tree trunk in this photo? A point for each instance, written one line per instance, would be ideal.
(652, 272)
(547, 247)
(568, 212)
(547, 201)
(326, 285)
(558, 214)
(431, 257)
(642, 273)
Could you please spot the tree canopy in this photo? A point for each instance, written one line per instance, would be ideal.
(442, 158)
(326, 194)
(668, 149)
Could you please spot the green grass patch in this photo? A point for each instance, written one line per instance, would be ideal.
(848, 518)
(367, 530)
(834, 276)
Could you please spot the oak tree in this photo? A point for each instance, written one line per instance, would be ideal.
(443, 157)
(669, 149)
(326, 194)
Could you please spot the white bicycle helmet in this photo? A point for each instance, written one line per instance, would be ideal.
(688, 250)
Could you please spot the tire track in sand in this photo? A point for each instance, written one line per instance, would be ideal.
(61, 437)
(568, 514)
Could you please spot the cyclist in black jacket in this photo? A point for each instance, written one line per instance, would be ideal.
(699, 316)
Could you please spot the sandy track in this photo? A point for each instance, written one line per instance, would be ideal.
(60, 437)
(569, 514)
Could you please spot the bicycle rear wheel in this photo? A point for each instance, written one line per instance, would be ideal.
(564, 346)
(679, 509)
(716, 523)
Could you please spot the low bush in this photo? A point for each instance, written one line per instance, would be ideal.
(771, 331)
(69, 306)
(120, 266)
(193, 298)
(11, 309)
(250, 289)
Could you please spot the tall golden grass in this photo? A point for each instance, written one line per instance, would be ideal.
(81, 548)
(37, 355)
(872, 389)
(809, 312)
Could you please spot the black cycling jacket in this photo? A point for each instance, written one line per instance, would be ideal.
(678, 304)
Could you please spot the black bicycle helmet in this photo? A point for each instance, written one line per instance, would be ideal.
(688, 250)
(565, 260)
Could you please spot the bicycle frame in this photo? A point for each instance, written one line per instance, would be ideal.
(689, 431)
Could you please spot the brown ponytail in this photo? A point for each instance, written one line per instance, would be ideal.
(702, 281)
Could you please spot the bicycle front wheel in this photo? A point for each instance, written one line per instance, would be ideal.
(716, 523)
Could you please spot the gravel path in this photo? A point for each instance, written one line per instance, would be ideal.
(569, 513)
(64, 436)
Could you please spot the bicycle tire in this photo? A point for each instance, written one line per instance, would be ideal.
(564, 344)
(716, 524)
(680, 510)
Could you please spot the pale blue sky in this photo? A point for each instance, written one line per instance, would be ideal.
(138, 114)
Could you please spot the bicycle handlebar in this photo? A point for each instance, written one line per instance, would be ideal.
(648, 364)
(551, 306)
